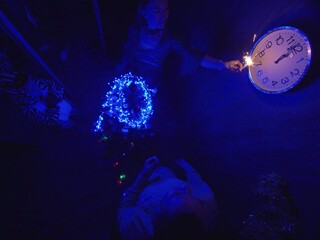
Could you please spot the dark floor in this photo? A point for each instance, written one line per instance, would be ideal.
(62, 184)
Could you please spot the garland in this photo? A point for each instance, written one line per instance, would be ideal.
(129, 101)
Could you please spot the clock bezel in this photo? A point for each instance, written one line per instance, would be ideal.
(304, 36)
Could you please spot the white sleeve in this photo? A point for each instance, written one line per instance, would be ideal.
(201, 191)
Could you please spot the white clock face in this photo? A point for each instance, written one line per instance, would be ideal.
(280, 60)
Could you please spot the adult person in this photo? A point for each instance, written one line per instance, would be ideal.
(149, 49)
(149, 43)
(158, 200)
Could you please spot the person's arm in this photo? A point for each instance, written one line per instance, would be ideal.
(211, 63)
(133, 222)
(202, 191)
(128, 50)
(131, 195)
(199, 187)
(193, 58)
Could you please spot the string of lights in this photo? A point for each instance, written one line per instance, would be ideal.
(124, 119)
(129, 101)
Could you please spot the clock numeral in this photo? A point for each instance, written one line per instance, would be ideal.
(269, 45)
(258, 64)
(262, 53)
(265, 80)
(279, 40)
(290, 40)
(284, 80)
(274, 83)
(295, 72)
(259, 73)
(296, 48)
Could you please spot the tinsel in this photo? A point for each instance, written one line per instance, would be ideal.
(276, 217)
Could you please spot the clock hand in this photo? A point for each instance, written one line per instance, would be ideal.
(287, 54)
(284, 55)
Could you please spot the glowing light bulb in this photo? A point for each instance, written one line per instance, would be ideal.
(116, 164)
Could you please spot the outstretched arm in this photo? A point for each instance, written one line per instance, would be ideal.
(211, 63)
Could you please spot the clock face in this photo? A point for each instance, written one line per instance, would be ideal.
(280, 59)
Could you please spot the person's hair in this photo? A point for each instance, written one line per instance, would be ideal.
(139, 19)
(143, 3)
(141, 6)
(180, 226)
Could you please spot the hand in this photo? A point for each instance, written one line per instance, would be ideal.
(150, 165)
(191, 173)
(233, 66)
(282, 57)
(183, 164)
(287, 54)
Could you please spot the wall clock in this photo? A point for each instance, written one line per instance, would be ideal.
(279, 59)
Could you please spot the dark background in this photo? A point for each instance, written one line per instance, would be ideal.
(59, 184)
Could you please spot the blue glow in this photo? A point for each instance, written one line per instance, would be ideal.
(129, 101)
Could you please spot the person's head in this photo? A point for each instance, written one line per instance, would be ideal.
(155, 13)
(181, 216)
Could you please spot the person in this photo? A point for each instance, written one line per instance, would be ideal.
(42, 101)
(149, 44)
(161, 205)
(152, 52)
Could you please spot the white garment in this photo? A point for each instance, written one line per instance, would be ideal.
(136, 221)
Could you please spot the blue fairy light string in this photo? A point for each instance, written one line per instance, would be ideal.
(129, 101)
